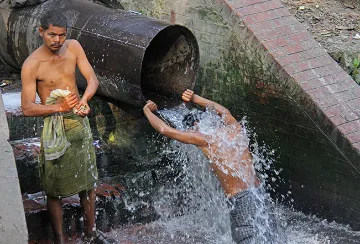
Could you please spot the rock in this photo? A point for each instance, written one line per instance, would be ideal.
(340, 27)
(357, 36)
(5, 83)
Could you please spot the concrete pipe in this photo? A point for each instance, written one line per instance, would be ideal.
(132, 54)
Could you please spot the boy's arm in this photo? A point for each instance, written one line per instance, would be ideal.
(88, 72)
(189, 95)
(28, 95)
(160, 126)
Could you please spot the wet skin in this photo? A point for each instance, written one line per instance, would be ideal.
(233, 166)
(226, 162)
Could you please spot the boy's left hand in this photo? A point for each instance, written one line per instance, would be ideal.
(82, 108)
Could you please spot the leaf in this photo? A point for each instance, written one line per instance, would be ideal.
(356, 62)
(357, 78)
(111, 137)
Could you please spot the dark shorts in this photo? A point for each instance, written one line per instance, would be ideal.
(250, 218)
(75, 171)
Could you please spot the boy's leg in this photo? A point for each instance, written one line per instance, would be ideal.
(54, 205)
(242, 214)
(87, 200)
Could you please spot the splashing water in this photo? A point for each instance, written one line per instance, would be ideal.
(194, 209)
(230, 149)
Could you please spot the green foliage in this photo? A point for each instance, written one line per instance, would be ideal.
(355, 70)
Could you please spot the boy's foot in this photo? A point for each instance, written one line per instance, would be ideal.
(99, 238)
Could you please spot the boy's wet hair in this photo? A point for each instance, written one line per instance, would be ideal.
(191, 118)
(55, 18)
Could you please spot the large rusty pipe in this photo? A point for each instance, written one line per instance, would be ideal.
(131, 54)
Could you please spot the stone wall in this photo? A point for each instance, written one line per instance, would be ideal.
(260, 62)
(12, 217)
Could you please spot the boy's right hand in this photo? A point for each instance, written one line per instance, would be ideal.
(187, 95)
(69, 102)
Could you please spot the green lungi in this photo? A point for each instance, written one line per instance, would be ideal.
(76, 170)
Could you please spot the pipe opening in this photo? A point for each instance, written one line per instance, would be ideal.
(170, 63)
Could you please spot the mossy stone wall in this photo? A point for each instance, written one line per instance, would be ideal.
(237, 71)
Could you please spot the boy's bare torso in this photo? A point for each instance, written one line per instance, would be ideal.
(232, 164)
(54, 71)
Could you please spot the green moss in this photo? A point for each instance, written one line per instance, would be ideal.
(156, 8)
(207, 13)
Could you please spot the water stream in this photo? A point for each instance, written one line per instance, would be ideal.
(202, 214)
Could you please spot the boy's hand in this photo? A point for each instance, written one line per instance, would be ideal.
(69, 102)
(187, 95)
(82, 108)
(150, 105)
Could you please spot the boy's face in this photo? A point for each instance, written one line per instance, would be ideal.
(191, 121)
(53, 37)
(194, 127)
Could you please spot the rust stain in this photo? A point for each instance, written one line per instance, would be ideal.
(263, 90)
(263, 97)
(172, 17)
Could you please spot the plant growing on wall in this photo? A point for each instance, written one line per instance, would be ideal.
(355, 70)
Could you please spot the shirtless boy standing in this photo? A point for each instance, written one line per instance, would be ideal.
(67, 158)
